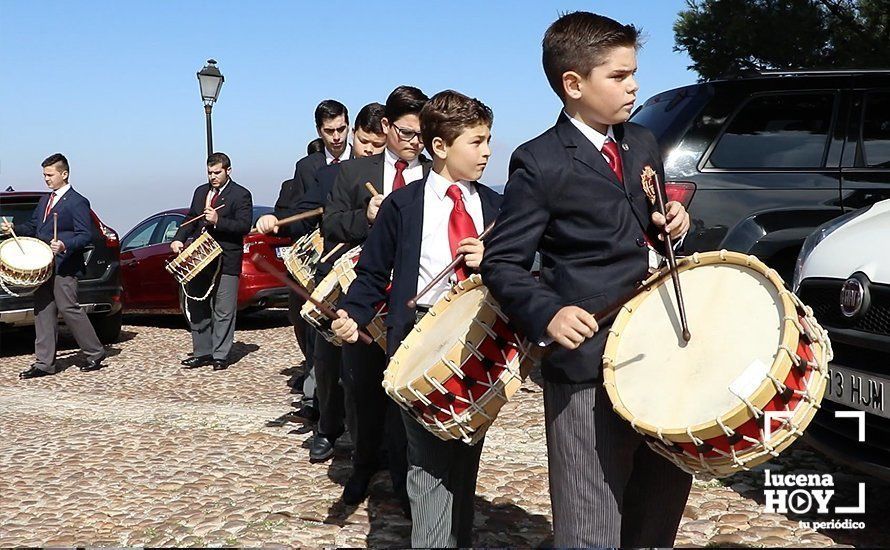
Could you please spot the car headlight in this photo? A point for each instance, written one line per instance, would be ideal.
(820, 234)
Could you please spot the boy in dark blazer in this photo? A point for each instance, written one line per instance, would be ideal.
(58, 295)
(349, 212)
(575, 195)
(228, 214)
(419, 231)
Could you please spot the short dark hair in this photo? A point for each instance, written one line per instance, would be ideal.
(368, 119)
(219, 158)
(404, 100)
(580, 41)
(56, 158)
(328, 109)
(315, 146)
(448, 114)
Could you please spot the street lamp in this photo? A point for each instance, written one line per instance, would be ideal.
(211, 80)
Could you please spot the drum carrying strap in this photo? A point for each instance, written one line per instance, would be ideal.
(11, 293)
(209, 290)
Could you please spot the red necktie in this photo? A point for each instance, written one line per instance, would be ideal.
(214, 193)
(49, 205)
(610, 149)
(460, 226)
(399, 181)
(335, 160)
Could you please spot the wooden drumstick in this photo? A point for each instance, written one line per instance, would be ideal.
(264, 264)
(14, 236)
(295, 218)
(55, 226)
(196, 218)
(612, 308)
(371, 189)
(672, 262)
(331, 253)
(412, 303)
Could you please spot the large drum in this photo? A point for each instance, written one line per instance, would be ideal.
(742, 389)
(460, 364)
(302, 258)
(194, 258)
(27, 267)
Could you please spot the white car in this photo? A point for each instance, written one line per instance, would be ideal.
(843, 273)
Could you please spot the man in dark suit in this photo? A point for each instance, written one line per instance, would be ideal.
(575, 195)
(368, 139)
(332, 125)
(349, 213)
(420, 230)
(58, 295)
(227, 210)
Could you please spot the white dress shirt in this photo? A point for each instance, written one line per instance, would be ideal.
(413, 172)
(435, 250)
(344, 156)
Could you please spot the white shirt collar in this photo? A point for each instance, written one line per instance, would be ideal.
(328, 157)
(440, 186)
(62, 190)
(226, 184)
(391, 158)
(596, 138)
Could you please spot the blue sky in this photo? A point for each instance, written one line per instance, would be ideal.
(112, 84)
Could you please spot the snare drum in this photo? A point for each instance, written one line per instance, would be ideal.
(302, 258)
(742, 389)
(460, 364)
(27, 267)
(194, 258)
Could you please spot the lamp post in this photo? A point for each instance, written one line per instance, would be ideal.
(211, 80)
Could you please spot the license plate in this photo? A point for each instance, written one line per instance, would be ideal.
(860, 390)
(281, 251)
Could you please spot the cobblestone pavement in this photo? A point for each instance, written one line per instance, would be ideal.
(144, 453)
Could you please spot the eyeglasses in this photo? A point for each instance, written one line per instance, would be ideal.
(406, 134)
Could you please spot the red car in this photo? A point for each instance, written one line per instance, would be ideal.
(149, 288)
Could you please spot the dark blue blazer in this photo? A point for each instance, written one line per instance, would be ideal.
(74, 229)
(564, 201)
(393, 245)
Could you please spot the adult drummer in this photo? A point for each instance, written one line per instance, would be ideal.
(575, 195)
(64, 213)
(227, 210)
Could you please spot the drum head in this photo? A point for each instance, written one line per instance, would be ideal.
(34, 254)
(452, 324)
(735, 315)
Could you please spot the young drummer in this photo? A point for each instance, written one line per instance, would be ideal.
(575, 195)
(419, 231)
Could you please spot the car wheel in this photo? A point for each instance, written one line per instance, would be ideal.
(108, 327)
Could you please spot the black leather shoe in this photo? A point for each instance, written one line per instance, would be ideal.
(308, 412)
(94, 364)
(220, 364)
(321, 449)
(196, 362)
(356, 488)
(33, 372)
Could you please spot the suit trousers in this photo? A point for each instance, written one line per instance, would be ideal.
(305, 337)
(441, 486)
(607, 487)
(378, 419)
(58, 296)
(328, 391)
(213, 320)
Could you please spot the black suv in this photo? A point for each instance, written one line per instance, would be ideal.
(769, 157)
(99, 288)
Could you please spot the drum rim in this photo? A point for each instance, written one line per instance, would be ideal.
(9, 269)
(740, 413)
(186, 252)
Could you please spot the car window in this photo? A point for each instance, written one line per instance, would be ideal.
(17, 211)
(777, 131)
(141, 236)
(168, 229)
(876, 131)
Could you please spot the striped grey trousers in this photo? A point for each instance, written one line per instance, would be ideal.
(441, 486)
(607, 487)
